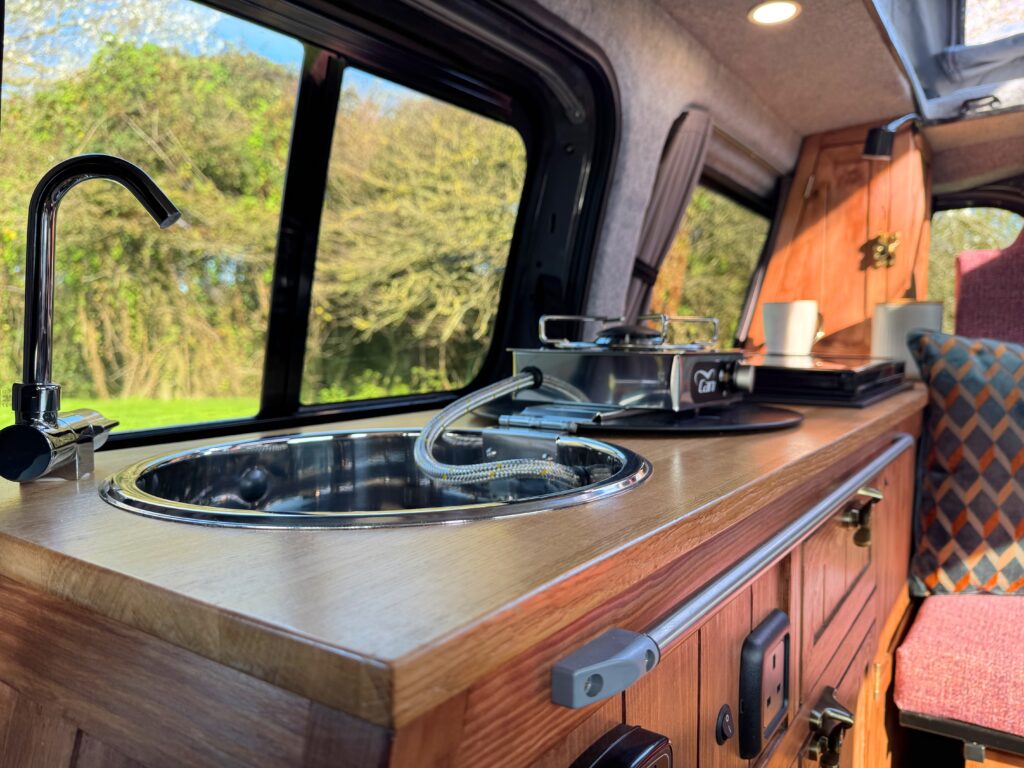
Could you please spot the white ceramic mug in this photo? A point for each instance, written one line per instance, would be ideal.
(894, 320)
(791, 327)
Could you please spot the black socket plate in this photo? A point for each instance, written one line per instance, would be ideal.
(755, 668)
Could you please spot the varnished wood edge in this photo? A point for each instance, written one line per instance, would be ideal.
(497, 640)
(284, 660)
(394, 694)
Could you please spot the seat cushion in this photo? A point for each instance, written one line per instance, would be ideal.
(971, 517)
(963, 660)
(989, 285)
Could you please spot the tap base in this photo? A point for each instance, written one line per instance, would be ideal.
(36, 402)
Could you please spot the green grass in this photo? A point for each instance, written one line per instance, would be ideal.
(143, 413)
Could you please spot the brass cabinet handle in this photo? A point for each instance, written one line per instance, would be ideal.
(829, 722)
(858, 514)
(883, 249)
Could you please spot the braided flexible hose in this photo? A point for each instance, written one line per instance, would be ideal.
(461, 474)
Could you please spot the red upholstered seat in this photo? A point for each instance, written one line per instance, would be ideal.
(963, 659)
(990, 293)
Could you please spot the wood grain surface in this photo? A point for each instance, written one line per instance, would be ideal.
(600, 721)
(721, 639)
(838, 203)
(665, 701)
(386, 624)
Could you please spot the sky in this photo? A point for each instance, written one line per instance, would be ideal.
(282, 49)
(178, 26)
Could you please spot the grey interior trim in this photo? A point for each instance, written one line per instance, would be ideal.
(942, 73)
(662, 70)
(741, 165)
(573, 107)
(883, 17)
(996, 61)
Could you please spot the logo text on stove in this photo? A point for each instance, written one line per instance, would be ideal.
(705, 380)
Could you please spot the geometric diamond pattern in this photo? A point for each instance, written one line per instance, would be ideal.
(971, 536)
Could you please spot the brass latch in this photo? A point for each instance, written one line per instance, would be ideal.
(829, 722)
(883, 249)
(858, 514)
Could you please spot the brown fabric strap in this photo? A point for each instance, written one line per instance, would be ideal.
(645, 273)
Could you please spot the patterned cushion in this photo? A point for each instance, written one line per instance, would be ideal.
(971, 526)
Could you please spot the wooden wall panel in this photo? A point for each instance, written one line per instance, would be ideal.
(721, 640)
(838, 203)
(93, 753)
(996, 759)
(665, 701)
(338, 740)
(432, 740)
(562, 755)
(154, 702)
(891, 534)
(8, 698)
(37, 737)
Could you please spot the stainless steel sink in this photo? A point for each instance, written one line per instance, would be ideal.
(362, 479)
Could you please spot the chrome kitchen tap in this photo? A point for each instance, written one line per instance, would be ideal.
(42, 440)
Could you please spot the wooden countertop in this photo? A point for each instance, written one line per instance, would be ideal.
(388, 623)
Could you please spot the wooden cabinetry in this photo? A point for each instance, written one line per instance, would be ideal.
(666, 700)
(837, 205)
(78, 690)
(838, 579)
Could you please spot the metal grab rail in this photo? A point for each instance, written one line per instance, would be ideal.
(613, 661)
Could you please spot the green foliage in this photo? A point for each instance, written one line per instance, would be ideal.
(417, 224)
(965, 229)
(709, 265)
(416, 231)
(169, 327)
(145, 413)
(142, 313)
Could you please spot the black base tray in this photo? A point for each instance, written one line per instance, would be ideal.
(809, 397)
(741, 417)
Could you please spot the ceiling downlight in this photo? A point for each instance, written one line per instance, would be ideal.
(774, 12)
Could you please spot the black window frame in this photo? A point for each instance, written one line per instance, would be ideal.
(524, 67)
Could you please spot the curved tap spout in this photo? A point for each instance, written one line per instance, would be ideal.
(42, 440)
(37, 397)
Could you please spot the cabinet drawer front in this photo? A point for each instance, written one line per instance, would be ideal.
(838, 579)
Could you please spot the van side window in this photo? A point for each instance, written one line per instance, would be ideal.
(964, 229)
(710, 263)
(417, 224)
(153, 328)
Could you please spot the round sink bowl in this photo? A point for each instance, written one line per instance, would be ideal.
(356, 479)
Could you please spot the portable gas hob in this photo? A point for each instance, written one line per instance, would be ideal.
(634, 377)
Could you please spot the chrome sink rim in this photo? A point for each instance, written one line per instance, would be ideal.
(121, 490)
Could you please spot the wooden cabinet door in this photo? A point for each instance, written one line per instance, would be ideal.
(891, 534)
(838, 580)
(838, 203)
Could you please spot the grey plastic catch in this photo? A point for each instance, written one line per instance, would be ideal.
(605, 666)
